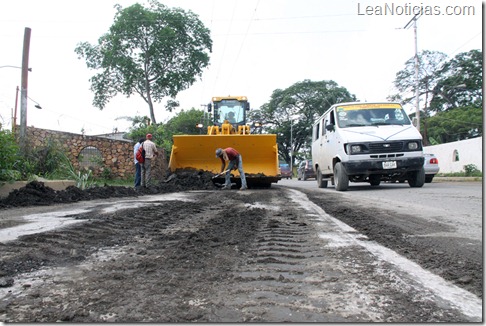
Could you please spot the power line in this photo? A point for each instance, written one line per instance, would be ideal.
(224, 46)
(242, 43)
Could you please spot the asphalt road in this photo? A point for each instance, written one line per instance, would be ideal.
(458, 204)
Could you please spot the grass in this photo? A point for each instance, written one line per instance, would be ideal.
(115, 182)
(460, 174)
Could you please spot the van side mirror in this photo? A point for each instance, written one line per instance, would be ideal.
(330, 127)
(414, 121)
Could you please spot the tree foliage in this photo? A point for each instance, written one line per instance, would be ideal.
(429, 64)
(460, 83)
(9, 156)
(184, 123)
(292, 111)
(154, 52)
(455, 124)
(454, 85)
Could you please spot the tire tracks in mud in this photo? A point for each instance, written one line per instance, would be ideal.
(304, 268)
(217, 257)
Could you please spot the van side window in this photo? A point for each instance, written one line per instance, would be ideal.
(333, 121)
(323, 122)
(315, 132)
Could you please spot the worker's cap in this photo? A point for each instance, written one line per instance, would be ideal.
(149, 136)
(219, 152)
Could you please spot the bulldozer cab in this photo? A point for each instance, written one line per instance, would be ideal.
(232, 110)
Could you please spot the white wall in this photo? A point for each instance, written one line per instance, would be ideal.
(470, 152)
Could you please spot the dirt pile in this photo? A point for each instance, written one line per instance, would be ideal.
(36, 193)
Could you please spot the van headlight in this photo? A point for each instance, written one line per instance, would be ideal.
(354, 149)
(413, 145)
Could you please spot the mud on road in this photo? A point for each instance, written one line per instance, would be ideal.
(262, 255)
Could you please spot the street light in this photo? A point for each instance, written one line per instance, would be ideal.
(37, 105)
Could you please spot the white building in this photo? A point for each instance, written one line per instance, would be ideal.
(453, 156)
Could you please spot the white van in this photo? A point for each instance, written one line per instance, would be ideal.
(366, 142)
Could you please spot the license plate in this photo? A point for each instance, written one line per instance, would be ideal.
(390, 164)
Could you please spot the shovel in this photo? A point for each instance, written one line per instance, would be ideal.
(220, 174)
(220, 184)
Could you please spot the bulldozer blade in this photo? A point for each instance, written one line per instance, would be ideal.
(259, 154)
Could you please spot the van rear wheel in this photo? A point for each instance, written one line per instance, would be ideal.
(341, 179)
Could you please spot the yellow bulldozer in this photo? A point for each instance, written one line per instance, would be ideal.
(229, 128)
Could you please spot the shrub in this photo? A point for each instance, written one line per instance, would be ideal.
(471, 170)
(9, 157)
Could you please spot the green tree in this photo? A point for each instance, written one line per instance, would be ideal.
(461, 82)
(455, 124)
(445, 85)
(184, 123)
(291, 112)
(430, 63)
(154, 52)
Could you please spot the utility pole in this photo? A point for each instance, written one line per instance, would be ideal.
(14, 125)
(23, 90)
(292, 147)
(417, 100)
(417, 93)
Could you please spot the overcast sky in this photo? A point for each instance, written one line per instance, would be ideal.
(258, 46)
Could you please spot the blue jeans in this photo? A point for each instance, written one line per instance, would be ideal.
(231, 165)
(138, 174)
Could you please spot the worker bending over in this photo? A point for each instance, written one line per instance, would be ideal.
(235, 162)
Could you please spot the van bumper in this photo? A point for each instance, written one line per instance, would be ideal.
(376, 167)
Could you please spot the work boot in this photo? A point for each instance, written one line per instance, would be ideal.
(226, 188)
(243, 188)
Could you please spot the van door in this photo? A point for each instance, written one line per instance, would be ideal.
(329, 145)
(318, 147)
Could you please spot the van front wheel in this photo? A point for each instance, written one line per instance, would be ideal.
(320, 183)
(416, 179)
(341, 179)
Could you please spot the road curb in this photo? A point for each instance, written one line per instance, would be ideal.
(458, 179)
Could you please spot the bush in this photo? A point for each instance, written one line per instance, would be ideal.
(9, 157)
(471, 170)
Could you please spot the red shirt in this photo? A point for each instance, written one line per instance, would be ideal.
(232, 153)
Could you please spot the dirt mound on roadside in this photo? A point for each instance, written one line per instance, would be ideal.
(36, 193)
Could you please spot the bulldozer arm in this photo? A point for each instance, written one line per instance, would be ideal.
(259, 154)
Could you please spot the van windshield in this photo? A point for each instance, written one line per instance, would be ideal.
(361, 115)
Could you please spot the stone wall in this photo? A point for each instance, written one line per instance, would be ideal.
(112, 154)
